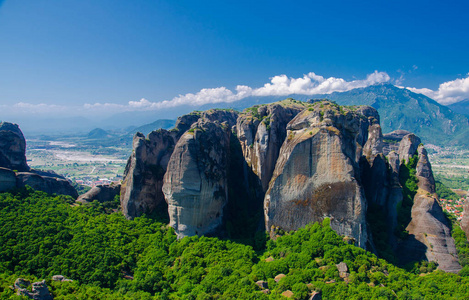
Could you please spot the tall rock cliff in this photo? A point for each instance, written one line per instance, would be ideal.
(141, 189)
(12, 147)
(261, 131)
(429, 232)
(317, 173)
(195, 184)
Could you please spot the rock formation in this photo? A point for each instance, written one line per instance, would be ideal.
(141, 189)
(317, 173)
(465, 218)
(429, 231)
(311, 161)
(39, 290)
(12, 147)
(101, 193)
(261, 131)
(14, 171)
(49, 184)
(195, 184)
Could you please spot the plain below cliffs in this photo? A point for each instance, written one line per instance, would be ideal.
(15, 172)
(298, 163)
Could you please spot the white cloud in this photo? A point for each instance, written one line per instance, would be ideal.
(280, 85)
(448, 92)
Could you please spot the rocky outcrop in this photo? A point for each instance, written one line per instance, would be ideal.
(465, 218)
(408, 147)
(317, 174)
(39, 290)
(15, 172)
(12, 147)
(261, 131)
(49, 184)
(429, 231)
(141, 189)
(101, 193)
(7, 180)
(392, 139)
(195, 184)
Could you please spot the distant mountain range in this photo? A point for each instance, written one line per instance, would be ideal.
(461, 107)
(402, 109)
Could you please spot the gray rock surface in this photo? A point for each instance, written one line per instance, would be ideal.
(465, 218)
(261, 135)
(408, 147)
(12, 147)
(141, 189)
(429, 231)
(7, 180)
(195, 184)
(48, 184)
(317, 173)
(39, 290)
(101, 193)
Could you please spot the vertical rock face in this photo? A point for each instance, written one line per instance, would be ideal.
(408, 147)
(7, 180)
(195, 184)
(12, 147)
(48, 184)
(317, 173)
(261, 132)
(429, 232)
(141, 189)
(465, 218)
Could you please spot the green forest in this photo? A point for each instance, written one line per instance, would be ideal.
(110, 257)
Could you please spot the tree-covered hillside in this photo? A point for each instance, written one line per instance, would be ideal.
(109, 257)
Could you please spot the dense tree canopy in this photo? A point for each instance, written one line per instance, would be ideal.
(109, 257)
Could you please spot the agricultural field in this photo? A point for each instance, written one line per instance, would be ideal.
(450, 166)
(82, 160)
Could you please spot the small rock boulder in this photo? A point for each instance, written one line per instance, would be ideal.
(262, 284)
(101, 193)
(279, 277)
(287, 294)
(315, 296)
(39, 290)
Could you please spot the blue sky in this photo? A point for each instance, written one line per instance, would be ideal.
(115, 55)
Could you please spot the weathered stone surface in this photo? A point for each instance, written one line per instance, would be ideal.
(261, 135)
(195, 184)
(60, 278)
(288, 294)
(279, 277)
(12, 147)
(141, 189)
(374, 144)
(39, 291)
(408, 147)
(51, 185)
(426, 182)
(465, 218)
(429, 232)
(342, 267)
(7, 179)
(317, 174)
(21, 283)
(262, 284)
(101, 193)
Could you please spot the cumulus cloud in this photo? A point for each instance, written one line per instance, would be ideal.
(280, 85)
(448, 92)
